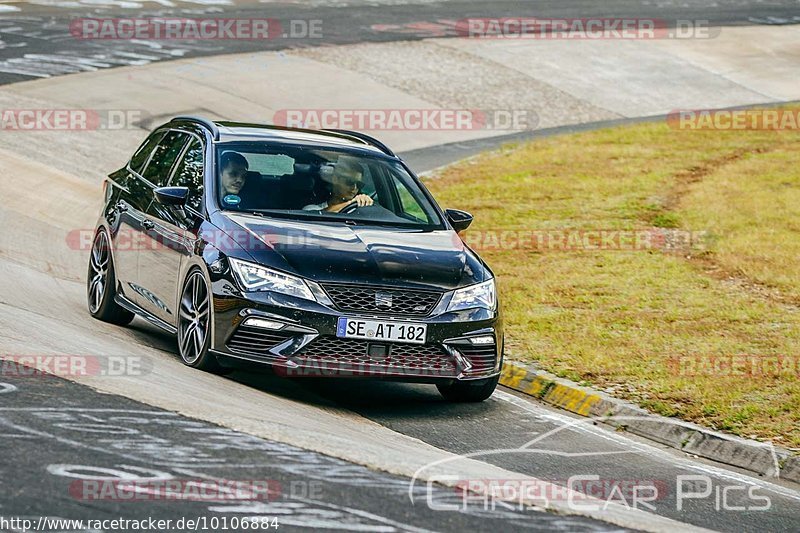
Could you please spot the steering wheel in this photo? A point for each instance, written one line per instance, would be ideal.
(352, 206)
(349, 208)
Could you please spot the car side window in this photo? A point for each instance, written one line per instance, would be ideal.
(409, 205)
(164, 156)
(189, 173)
(140, 157)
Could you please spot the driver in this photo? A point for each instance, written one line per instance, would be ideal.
(343, 188)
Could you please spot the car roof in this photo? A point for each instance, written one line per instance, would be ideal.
(228, 131)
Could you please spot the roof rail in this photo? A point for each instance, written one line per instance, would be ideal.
(365, 138)
(207, 124)
(341, 134)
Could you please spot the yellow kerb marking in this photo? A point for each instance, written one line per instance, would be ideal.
(512, 375)
(573, 400)
(537, 386)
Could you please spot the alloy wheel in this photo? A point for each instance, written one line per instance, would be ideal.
(98, 279)
(194, 318)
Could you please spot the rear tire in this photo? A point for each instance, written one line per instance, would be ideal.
(194, 325)
(101, 284)
(469, 391)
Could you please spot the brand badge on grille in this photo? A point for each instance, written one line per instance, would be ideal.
(383, 299)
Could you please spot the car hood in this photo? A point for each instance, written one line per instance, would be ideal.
(324, 251)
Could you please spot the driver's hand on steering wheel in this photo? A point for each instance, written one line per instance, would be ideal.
(363, 200)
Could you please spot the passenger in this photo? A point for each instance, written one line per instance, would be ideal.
(233, 173)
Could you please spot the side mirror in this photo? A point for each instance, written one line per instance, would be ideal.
(174, 196)
(460, 220)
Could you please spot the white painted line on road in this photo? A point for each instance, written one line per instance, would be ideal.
(262, 507)
(621, 440)
(62, 440)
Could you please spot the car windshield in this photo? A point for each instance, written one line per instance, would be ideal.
(287, 181)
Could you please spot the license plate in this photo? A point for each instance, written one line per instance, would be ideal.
(377, 330)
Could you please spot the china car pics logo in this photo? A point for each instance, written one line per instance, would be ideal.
(578, 488)
(70, 119)
(586, 491)
(183, 29)
(396, 119)
(591, 492)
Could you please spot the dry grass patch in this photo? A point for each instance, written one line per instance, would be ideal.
(619, 320)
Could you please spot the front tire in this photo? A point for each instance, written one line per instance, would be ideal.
(469, 391)
(194, 324)
(101, 284)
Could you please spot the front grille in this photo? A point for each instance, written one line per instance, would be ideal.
(482, 358)
(353, 356)
(398, 302)
(255, 341)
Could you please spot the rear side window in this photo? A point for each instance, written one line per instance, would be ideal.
(189, 173)
(140, 157)
(164, 156)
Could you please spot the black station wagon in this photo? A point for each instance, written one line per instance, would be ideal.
(315, 252)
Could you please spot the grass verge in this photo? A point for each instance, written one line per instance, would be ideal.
(709, 333)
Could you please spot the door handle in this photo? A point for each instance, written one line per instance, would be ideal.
(148, 224)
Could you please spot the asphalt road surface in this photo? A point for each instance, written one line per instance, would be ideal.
(70, 453)
(35, 37)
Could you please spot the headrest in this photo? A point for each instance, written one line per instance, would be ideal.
(299, 182)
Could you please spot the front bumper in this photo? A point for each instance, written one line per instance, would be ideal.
(306, 344)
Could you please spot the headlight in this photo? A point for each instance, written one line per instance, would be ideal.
(480, 295)
(254, 277)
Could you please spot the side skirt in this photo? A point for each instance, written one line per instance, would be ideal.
(133, 308)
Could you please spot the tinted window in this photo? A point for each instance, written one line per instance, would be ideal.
(164, 156)
(140, 157)
(189, 173)
(311, 182)
(410, 206)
